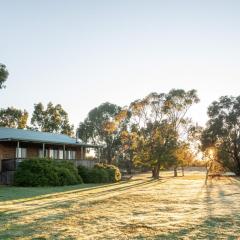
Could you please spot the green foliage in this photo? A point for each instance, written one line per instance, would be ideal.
(223, 131)
(155, 127)
(14, 118)
(99, 128)
(46, 172)
(101, 173)
(93, 175)
(113, 171)
(84, 172)
(184, 155)
(99, 176)
(52, 119)
(3, 75)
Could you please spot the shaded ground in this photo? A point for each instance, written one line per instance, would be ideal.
(169, 208)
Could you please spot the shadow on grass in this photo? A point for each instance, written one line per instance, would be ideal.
(34, 230)
(54, 202)
(12, 226)
(11, 193)
(211, 228)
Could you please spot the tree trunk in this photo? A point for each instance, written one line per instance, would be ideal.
(208, 170)
(175, 172)
(237, 159)
(182, 171)
(156, 171)
(206, 178)
(109, 157)
(129, 167)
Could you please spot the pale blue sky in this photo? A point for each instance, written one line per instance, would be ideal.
(82, 53)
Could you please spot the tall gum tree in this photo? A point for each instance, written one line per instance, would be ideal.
(52, 119)
(160, 121)
(223, 131)
(13, 118)
(100, 128)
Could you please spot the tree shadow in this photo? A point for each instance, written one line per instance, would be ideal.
(32, 229)
(11, 193)
(84, 198)
(209, 229)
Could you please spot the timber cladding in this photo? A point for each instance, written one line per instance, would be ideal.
(8, 149)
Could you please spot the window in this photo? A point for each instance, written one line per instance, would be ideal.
(51, 153)
(40, 153)
(21, 152)
(55, 154)
(46, 153)
(71, 154)
(60, 154)
(68, 154)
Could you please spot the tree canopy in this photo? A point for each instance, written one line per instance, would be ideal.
(52, 119)
(3, 75)
(14, 118)
(99, 128)
(223, 131)
(155, 125)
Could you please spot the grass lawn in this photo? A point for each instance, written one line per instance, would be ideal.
(142, 208)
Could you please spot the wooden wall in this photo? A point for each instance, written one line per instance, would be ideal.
(8, 150)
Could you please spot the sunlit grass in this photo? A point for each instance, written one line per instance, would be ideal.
(169, 208)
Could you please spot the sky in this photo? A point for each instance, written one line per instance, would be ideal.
(83, 53)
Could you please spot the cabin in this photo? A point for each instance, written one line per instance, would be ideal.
(17, 145)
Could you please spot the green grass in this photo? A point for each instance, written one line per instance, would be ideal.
(16, 193)
(169, 208)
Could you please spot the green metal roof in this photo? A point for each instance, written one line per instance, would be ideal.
(13, 134)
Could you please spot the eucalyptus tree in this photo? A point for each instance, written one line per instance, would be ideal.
(223, 131)
(160, 120)
(3, 75)
(14, 118)
(178, 103)
(100, 128)
(52, 119)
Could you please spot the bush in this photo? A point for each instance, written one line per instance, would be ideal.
(98, 176)
(101, 173)
(46, 172)
(84, 172)
(113, 171)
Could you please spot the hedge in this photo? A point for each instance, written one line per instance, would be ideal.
(113, 171)
(46, 172)
(101, 173)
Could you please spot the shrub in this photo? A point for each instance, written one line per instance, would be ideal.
(84, 172)
(113, 171)
(99, 176)
(101, 173)
(46, 172)
(93, 175)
